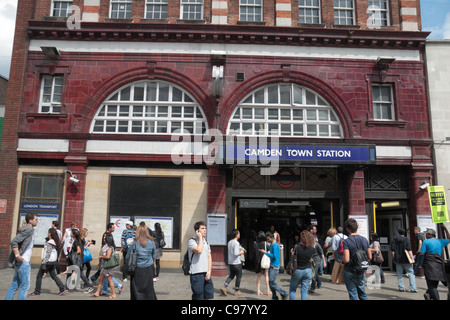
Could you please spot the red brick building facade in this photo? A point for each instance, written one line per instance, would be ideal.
(312, 74)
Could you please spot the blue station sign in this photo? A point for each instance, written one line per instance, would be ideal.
(292, 153)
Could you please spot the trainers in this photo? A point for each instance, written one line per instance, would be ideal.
(62, 292)
(238, 293)
(34, 294)
(285, 297)
(224, 291)
(89, 290)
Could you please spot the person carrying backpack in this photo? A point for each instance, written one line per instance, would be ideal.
(127, 238)
(357, 256)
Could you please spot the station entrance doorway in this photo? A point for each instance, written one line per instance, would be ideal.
(288, 217)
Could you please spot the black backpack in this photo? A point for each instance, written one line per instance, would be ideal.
(359, 260)
(187, 262)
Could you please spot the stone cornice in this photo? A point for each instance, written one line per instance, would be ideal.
(208, 33)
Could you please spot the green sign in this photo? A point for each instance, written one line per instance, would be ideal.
(438, 205)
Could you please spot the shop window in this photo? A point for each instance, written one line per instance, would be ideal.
(147, 199)
(51, 94)
(191, 9)
(285, 110)
(42, 194)
(309, 11)
(120, 9)
(250, 10)
(383, 102)
(149, 107)
(156, 9)
(378, 13)
(344, 12)
(60, 8)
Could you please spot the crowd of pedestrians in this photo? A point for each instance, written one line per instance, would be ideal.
(344, 254)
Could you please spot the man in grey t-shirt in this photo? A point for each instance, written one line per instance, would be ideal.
(201, 263)
(234, 262)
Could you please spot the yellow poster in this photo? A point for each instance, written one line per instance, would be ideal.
(438, 204)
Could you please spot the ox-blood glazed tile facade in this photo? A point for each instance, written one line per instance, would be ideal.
(105, 108)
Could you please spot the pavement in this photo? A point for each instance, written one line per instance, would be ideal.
(174, 285)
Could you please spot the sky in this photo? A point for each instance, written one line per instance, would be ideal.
(435, 18)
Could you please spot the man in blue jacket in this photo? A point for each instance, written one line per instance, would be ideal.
(274, 255)
(21, 250)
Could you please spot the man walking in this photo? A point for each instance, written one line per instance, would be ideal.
(234, 262)
(354, 279)
(201, 263)
(126, 239)
(433, 263)
(402, 255)
(274, 255)
(22, 247)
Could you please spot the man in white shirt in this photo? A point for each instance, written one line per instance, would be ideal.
(21, 249)
(201, 263)
(234, 262)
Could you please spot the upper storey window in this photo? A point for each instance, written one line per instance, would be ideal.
(149, 107)
(250, 10)
(285, 110)
(120, 9)
(378, 11)
(156, 9)
(309, 11)
(191, 9)
(59, 8)
(51, 93)
(344, 12)
(383, 102)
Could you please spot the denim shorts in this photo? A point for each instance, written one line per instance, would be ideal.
(201, 289)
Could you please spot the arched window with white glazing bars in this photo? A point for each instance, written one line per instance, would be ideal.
(149, 107)
(285, 110)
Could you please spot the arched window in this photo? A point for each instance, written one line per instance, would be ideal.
(285, 110)
(149, 107)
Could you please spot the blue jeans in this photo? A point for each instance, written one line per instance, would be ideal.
(105, 286)
(355, 284)
(408, 267)
(302, 277)
(21, 281)
(201, 289)
(418, 263)
(274, 287)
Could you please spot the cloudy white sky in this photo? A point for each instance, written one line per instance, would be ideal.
(435, 18)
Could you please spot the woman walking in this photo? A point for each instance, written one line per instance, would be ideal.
(159, 242)
(107, 250)
(304, 251)
(142, 280)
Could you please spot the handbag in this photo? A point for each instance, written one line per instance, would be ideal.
(291, 267)
(87, 256)
(113, 261)
(130, 264)
(265, 260)
(337, 275)
(377, 257)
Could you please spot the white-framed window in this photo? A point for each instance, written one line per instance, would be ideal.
(191, 9)
(383, 102)
(51, 94)
(309, 11)
(156, 9)
(59, 8)
(120, 9)
(250, 10)
(285, 110)
(344, 12)
(149, 107)
(378, 11)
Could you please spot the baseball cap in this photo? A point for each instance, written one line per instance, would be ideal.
(430, 231)
(129, 223)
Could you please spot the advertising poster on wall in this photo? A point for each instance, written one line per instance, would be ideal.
(119, 223)
(166, 227)
(438, 204)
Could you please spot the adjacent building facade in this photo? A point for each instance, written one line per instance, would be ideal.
(240, 113)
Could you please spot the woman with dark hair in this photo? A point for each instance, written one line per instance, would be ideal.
(142, 281)
(376, 250)
(159, 242)
(303, 275)
(76, 257)
(261, 243)
(49, 260)
(107, 250)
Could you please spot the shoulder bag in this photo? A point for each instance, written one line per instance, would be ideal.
(291, 267)
(113, 261)
(265, 260)
(130, 264)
